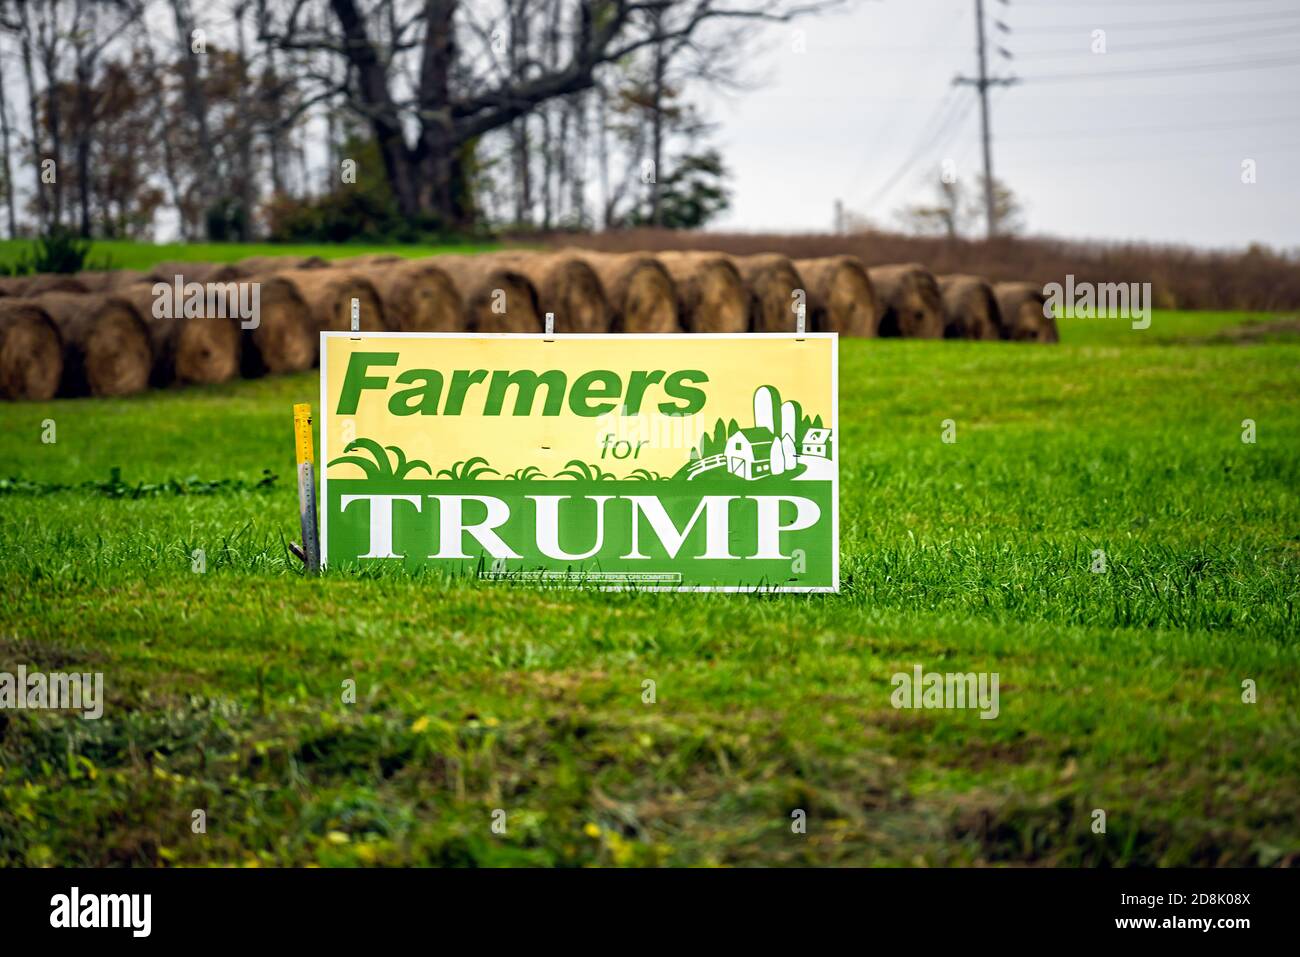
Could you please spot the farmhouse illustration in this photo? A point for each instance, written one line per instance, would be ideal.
(816, 442)
(773, 445)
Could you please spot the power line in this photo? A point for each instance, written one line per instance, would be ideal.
(948, 119)
(885, 130)
(1198, 96)
(1187, 69)
(930, 133)
(1278, 31)
(1109, 160)
(943, 122)
(998, 95)
(982, 83)
(1160, 24)
(958, 126)
(1139, 4)
(1148, 128)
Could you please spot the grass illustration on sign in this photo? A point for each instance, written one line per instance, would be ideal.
(477, 467)
(378, 466)
(468, 470)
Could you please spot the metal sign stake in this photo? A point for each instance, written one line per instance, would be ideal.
(356, 316)
(550, 327)
(307, 485)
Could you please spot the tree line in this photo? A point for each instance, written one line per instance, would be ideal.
(378, 119)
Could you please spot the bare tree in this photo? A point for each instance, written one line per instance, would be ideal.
(1008, 213)
(195, 98)
(50, 36)
(947, 214)
(956, 211)
(20, 23)
(7, 168)
(89, 39)
(459, 95)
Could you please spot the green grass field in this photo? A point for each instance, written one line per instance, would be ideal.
(1120, 691)
(127, 254)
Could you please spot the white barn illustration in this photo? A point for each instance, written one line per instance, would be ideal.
(769, 448)
(749, 453)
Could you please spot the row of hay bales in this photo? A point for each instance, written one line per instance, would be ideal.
(95, 333)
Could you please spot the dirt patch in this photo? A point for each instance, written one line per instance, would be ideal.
(1284, 329)
(44, 655)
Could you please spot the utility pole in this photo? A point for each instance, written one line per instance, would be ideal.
(982, 84)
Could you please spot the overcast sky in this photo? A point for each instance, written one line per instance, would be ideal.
(868, 113)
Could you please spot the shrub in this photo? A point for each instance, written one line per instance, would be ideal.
(59, 250)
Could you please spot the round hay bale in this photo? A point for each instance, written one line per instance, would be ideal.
(566, 286)
(970, 310)
(328, 294)
(369, 259)
(711, 296)
(52, 282)
(911, 305)
(107, 280)
(14, 285)
(105, 344)
(196, 272)
(840, 296)
(772, 282)
(419, 297)
(198, 350)
(639, 289)
(31, 353)
(496, 297)
(1021, 307)
(285, 339)
(255, 265)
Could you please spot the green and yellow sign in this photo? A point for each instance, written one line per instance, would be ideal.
(691, 462)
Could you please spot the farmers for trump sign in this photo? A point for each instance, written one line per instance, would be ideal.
(664, 461)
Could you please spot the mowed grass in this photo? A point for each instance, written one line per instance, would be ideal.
(126, 254)
(1119, 692)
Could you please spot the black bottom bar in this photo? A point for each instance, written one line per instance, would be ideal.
(1220, 908)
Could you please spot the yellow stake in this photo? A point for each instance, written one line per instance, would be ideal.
(302, 431)
(306, 487)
